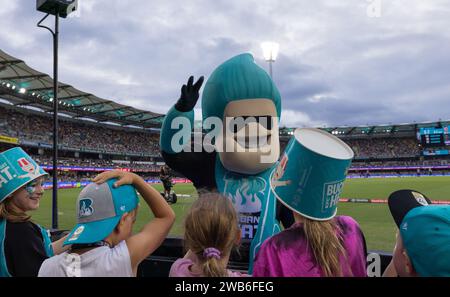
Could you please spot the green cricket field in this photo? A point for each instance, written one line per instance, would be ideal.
(374, 219)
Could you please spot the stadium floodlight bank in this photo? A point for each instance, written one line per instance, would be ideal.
(61, 7)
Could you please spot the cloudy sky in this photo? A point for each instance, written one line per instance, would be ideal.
(347, 62)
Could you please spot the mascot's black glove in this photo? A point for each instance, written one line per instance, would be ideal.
(189, 95)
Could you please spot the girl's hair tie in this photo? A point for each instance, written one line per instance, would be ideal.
(211, 253)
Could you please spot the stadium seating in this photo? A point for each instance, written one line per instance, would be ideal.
(87, 145)
(384, 147)
(32, 128)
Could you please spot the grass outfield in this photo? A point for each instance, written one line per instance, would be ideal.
(374, 219)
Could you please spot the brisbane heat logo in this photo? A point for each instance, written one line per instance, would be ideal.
(27, 166)
(86, 208)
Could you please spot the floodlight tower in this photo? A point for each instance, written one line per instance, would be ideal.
(270, 52)
(58, 8)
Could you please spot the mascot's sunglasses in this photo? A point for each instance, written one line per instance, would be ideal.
(237, 123)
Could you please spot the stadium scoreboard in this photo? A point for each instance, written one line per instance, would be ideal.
(434, 136)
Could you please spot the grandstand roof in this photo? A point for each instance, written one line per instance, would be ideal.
(22, 85)
(396, 130)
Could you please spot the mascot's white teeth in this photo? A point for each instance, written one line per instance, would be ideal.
(252, 142)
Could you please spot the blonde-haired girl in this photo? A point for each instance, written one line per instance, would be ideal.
(24, 245)
(211, 232)
(311, 247)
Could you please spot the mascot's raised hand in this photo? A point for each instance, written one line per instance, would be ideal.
(189, 95)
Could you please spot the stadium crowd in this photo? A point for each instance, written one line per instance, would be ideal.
(110, 139)
(115, 141)
(418, 162)
(141, 166)
(78, 135)
(384, 147)
(150, 166)
(81, 176)
(378, 148)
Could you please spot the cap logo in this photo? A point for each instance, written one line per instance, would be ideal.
(28, 167)
(86, 208)
(122, 208)
(420, 199)
(405, 226)
(77, 233)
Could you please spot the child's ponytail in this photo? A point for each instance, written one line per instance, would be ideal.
(211, 264)
(211, 229)
(325, 240)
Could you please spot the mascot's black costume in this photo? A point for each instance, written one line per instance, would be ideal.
(238, 88)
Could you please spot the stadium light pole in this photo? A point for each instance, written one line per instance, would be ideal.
(270, 53)
(57, 8)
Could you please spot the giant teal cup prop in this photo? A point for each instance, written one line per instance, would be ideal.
(17, 169)
(310, 175)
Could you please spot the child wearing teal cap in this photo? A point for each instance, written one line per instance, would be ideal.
(423, 240)
(24, 245)
(102, 243)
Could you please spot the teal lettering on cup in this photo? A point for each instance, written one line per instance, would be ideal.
(310, 175)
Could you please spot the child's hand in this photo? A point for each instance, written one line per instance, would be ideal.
(124, 178)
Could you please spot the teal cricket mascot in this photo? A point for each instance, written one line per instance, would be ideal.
(237, 90)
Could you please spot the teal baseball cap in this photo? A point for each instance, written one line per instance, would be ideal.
(425, 232)
(99, 209)
(17, 169)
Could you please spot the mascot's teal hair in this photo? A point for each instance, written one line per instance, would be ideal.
(237, 79)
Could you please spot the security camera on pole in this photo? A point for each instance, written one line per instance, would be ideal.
(58, 8)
